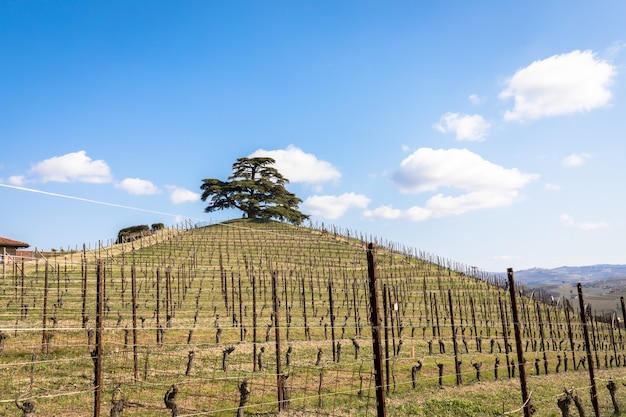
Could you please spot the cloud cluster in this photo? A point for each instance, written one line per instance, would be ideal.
(72, 167)
(180, 195)
(559, 85)
(567, 220)
(575, 160)
(483, 184)
(465, 127)
(300, 167)
(137, 186)
(333, 207)
(78, 167)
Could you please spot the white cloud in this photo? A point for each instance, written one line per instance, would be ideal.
(567, 220)
(299, 166)
(333, 207)
(181, 195)
(475, 100)
(466, 127)
(575, 160)
(428, 169)
(383, 212)
(137, 186)
(16, 180)
(486, 184)
(75, 166)
(558, 85)
(552, 187)
(405, 148)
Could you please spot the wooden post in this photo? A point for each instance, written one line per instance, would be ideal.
(158, 307)
(84, 284)
(621, 299)
(505, 336)
(542, 336)
(44, 336)
(457, 365)
(332, 318)
(241, 327)
(387, 361)
(134, 309)
(375, 322)
(254, 317)
(592, 379)
(97, 353)
(521, 362)
(307, 332)
(279, 373)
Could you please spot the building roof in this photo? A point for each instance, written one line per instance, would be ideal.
(12, 243)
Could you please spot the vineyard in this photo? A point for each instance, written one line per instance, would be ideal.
(248, 318)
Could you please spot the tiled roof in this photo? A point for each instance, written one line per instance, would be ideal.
(12, 243)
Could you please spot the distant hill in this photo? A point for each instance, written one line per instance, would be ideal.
(570, 274)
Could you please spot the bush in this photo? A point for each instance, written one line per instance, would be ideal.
(132, 233)
(157, 226)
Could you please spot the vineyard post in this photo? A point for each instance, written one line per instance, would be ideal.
(391, 309)
(167, 296)
(457, 364)
(241, 328)
(521, 362)
(133, 276)
(254, 317)
(375, 322)
(386, 312)
(505, 336)
(307, 332)
(158, 306)
(332, 318)
(354, 307)
(612, 334)
(595, 337)
(97, 354)
(542, 336)
(570, 333)
(279, 373)
(592, 379)
(621, 299)
(44, 338)
(232, 295)
(476, 335)
(23, 291)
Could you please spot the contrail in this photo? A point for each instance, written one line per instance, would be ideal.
(85, 200)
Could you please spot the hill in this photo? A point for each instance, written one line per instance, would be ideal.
(240, 315)
(570, 274)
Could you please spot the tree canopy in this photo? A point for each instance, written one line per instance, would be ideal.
(257, 189)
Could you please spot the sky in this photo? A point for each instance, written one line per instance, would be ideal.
(488, 133)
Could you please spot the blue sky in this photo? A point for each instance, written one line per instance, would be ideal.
(488, 133)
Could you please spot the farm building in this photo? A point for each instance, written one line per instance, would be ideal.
(10, 246)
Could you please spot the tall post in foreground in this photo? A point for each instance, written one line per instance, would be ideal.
(376, 339)
(592, 378)
(521, 362)
(96, 355)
